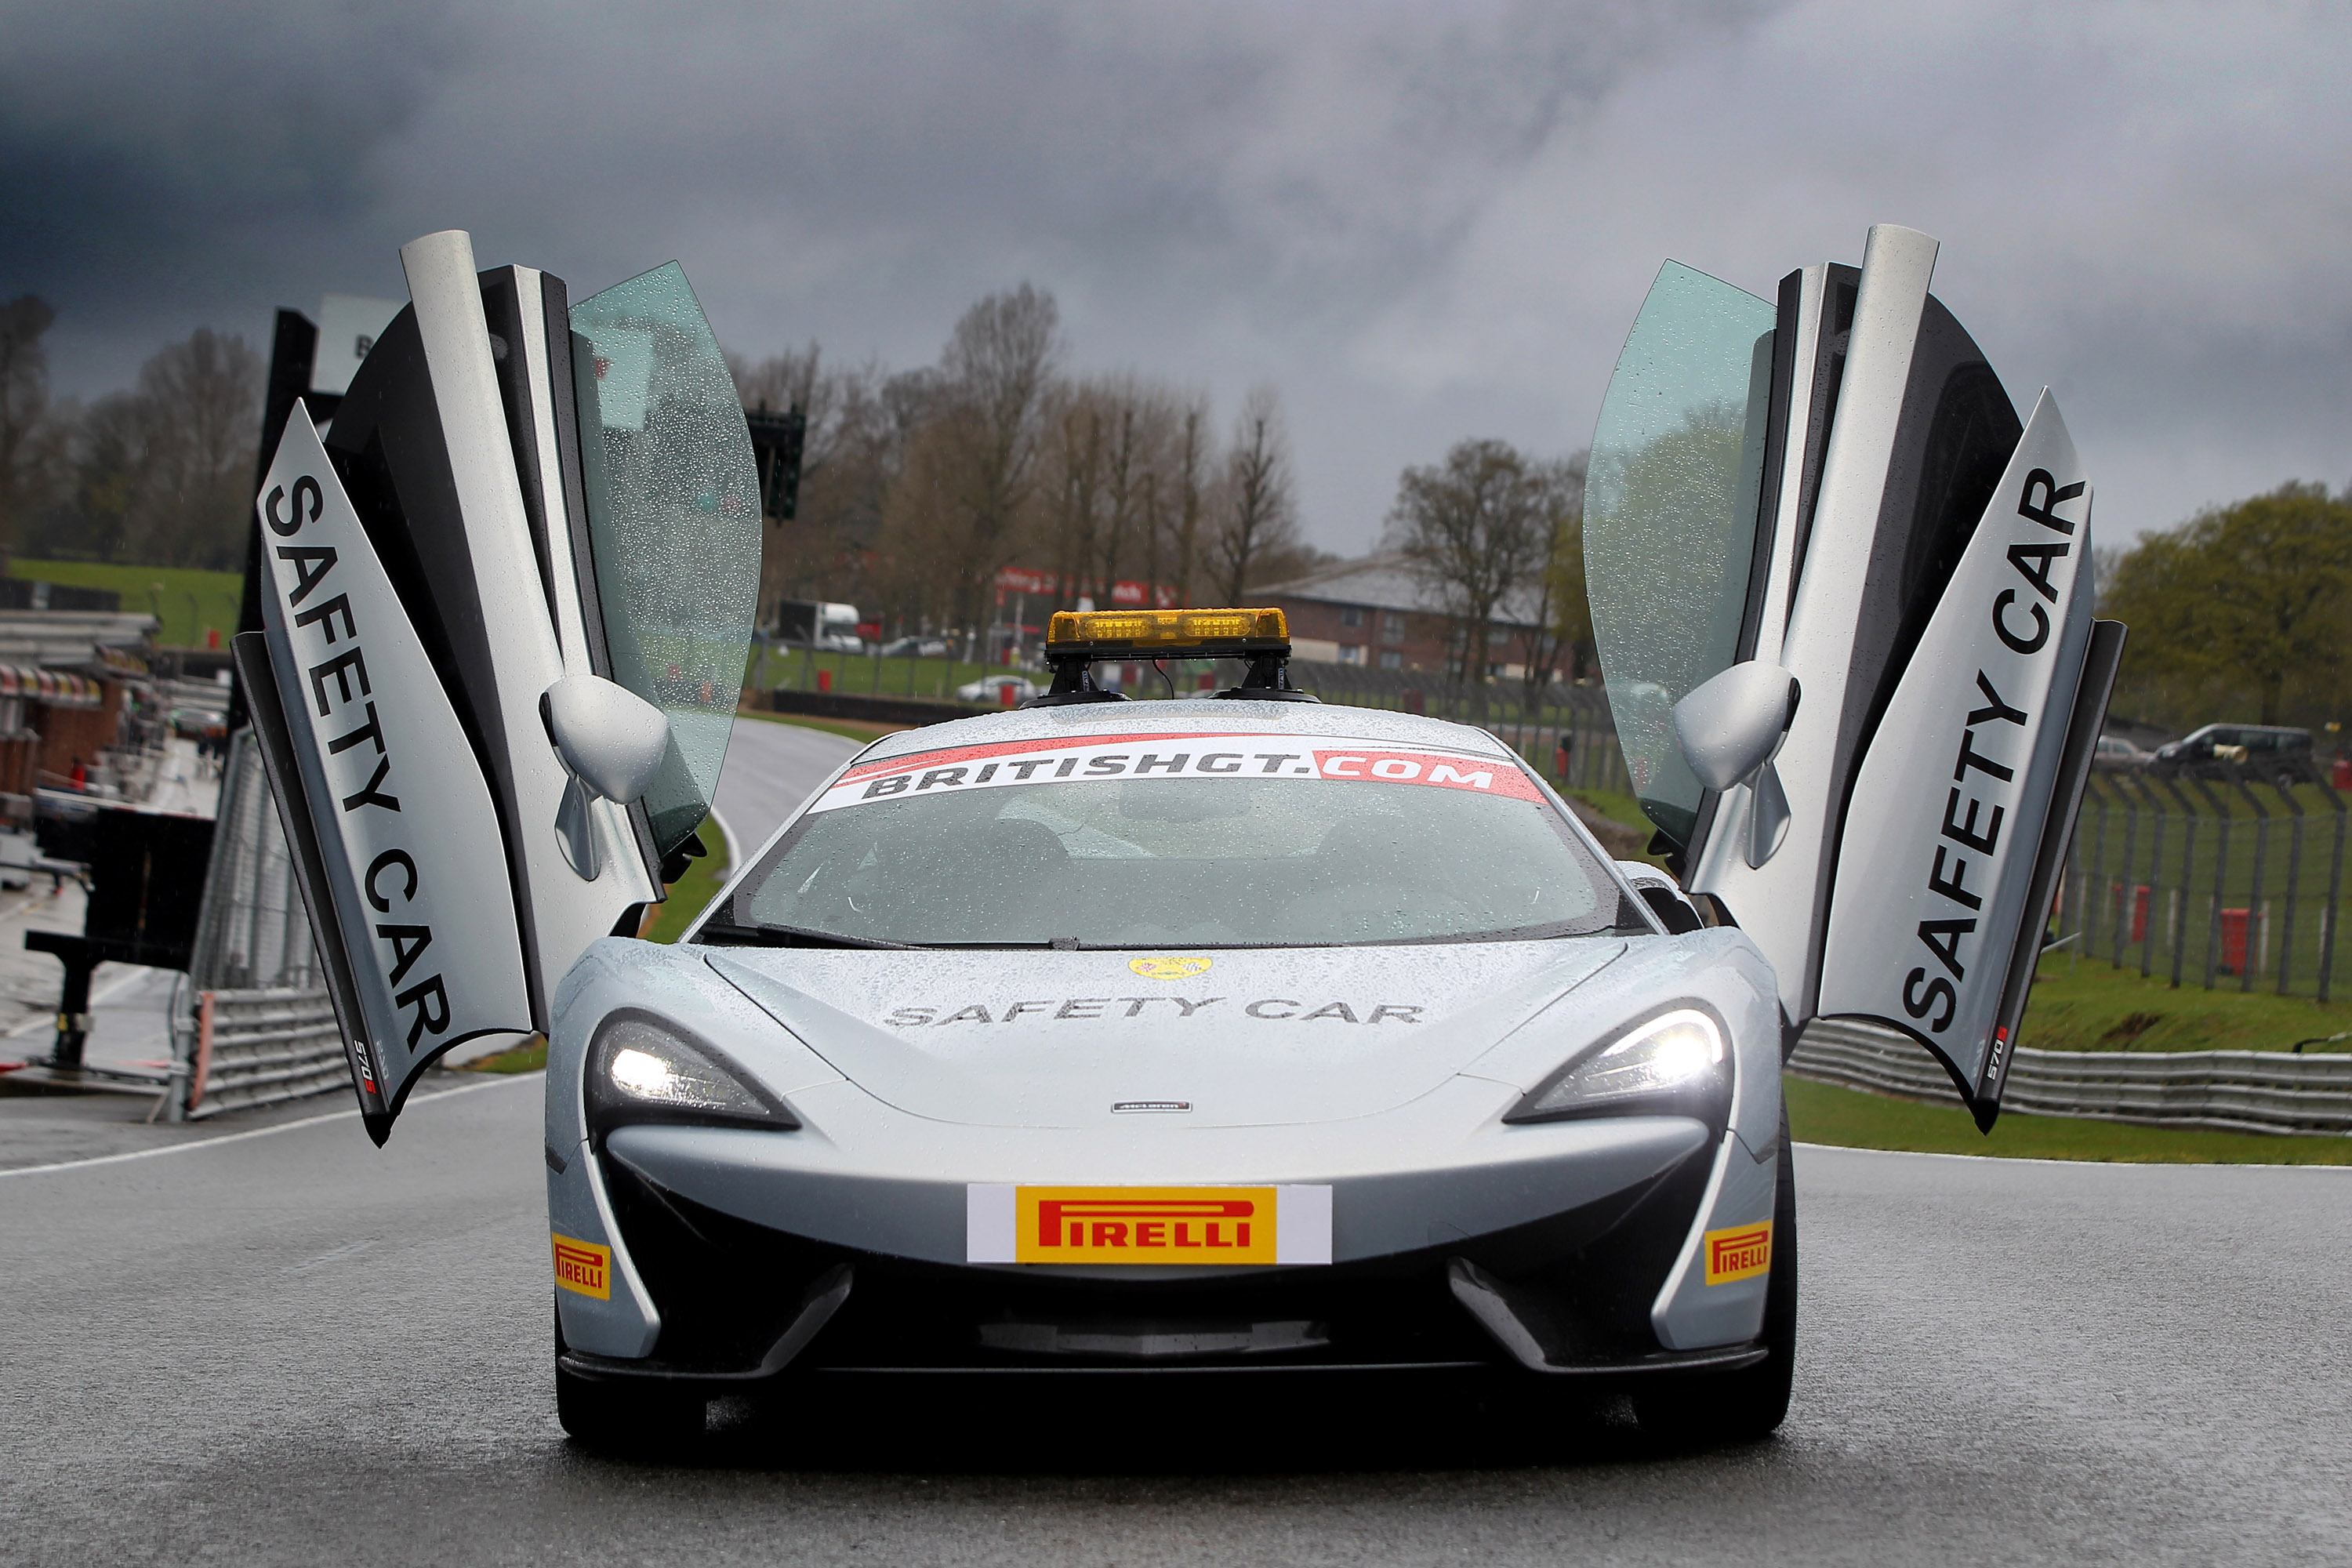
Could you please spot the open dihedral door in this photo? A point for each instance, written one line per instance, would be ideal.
(508, 604)
(1823, 517)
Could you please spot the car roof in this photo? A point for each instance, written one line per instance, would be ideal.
(2250, 730)
(1217, 716)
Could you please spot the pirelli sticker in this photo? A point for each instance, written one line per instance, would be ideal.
(1209, 759)
(1012, 1224)
(1742, 1252)
(583, 1268)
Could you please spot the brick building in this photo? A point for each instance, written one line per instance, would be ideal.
(1376, 612)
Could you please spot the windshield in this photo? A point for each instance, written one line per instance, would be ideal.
(1190, 840)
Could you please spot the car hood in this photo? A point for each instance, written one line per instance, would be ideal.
(1026, 1038)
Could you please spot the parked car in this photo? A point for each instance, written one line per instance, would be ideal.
(918, 647)
(2277, 749)
(2119, 754)
(993, 688)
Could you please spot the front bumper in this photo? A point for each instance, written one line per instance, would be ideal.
(1546, 1253)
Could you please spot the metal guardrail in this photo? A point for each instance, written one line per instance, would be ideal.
(2236, 1091)
(258, 1047)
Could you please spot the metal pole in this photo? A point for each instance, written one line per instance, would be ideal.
(2335, 892)
(2128, 890)
(2155, 880)
(2220, 876)
(2293, 879)
(2087, 903)
(2248, 963)
(2188, 871)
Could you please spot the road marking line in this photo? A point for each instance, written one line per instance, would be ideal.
(253, 1133)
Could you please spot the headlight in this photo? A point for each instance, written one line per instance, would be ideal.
(1673, 1062)
(639, 1070)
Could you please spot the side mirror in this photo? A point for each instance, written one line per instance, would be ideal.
(613, 742)
(1728, 727)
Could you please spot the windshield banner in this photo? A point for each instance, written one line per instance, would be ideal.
(1091, 759)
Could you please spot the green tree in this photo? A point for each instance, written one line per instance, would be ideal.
(31, 437)
(2251, 598)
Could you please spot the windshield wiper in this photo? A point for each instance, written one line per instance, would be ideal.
(726, 933)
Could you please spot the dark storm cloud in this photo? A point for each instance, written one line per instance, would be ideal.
(1421, 222)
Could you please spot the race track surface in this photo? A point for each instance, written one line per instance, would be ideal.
(771, 769)
(293, 1348)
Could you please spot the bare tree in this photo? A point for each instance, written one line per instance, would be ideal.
(1070, 512)
(163, 473)
(1562, 620)
(204, 395)
(1477, 528)
(31, 438)
(1259, 515)
(853, 445)
(998, 368)
(1191, 462)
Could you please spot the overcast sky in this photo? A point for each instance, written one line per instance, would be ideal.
(1421, 222)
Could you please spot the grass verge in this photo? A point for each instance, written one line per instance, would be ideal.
(529, 1057)
(1825, 1113)
(187, 600)
(2088, 1004)
(691, 892)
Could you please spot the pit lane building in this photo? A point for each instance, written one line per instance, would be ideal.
(1377, 612)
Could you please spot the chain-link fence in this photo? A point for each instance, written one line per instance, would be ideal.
(253, 932)
(2220, 875)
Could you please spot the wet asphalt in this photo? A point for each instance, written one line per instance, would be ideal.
(294, 1348)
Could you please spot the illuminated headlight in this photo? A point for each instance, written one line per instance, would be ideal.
(1673, 1062)
(640, 1071)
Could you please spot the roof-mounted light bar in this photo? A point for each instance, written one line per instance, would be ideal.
(1077, 640)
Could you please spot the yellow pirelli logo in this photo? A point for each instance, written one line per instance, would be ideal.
(1144, 1225)
(1741, 1252)
(585, 1266)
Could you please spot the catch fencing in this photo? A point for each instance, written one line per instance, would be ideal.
(1532, 721)
(2238, 1092)
(259, 1028)
(2222, 875)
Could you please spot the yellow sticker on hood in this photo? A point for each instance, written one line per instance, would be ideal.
(1169, 968)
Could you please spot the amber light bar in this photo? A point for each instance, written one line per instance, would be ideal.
(1113, 634)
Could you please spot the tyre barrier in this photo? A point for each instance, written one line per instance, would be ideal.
(2234, 1091)
(258, 1047)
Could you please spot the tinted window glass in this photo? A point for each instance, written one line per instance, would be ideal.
(1670, 515)
(674, 518)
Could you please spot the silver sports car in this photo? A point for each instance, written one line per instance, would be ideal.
(1182, 1034)
(1110, 1035)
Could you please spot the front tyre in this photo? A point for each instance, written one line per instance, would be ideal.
(623, 1415)
(1751, 1403)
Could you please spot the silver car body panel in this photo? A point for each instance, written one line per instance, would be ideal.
(1400, 1112)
